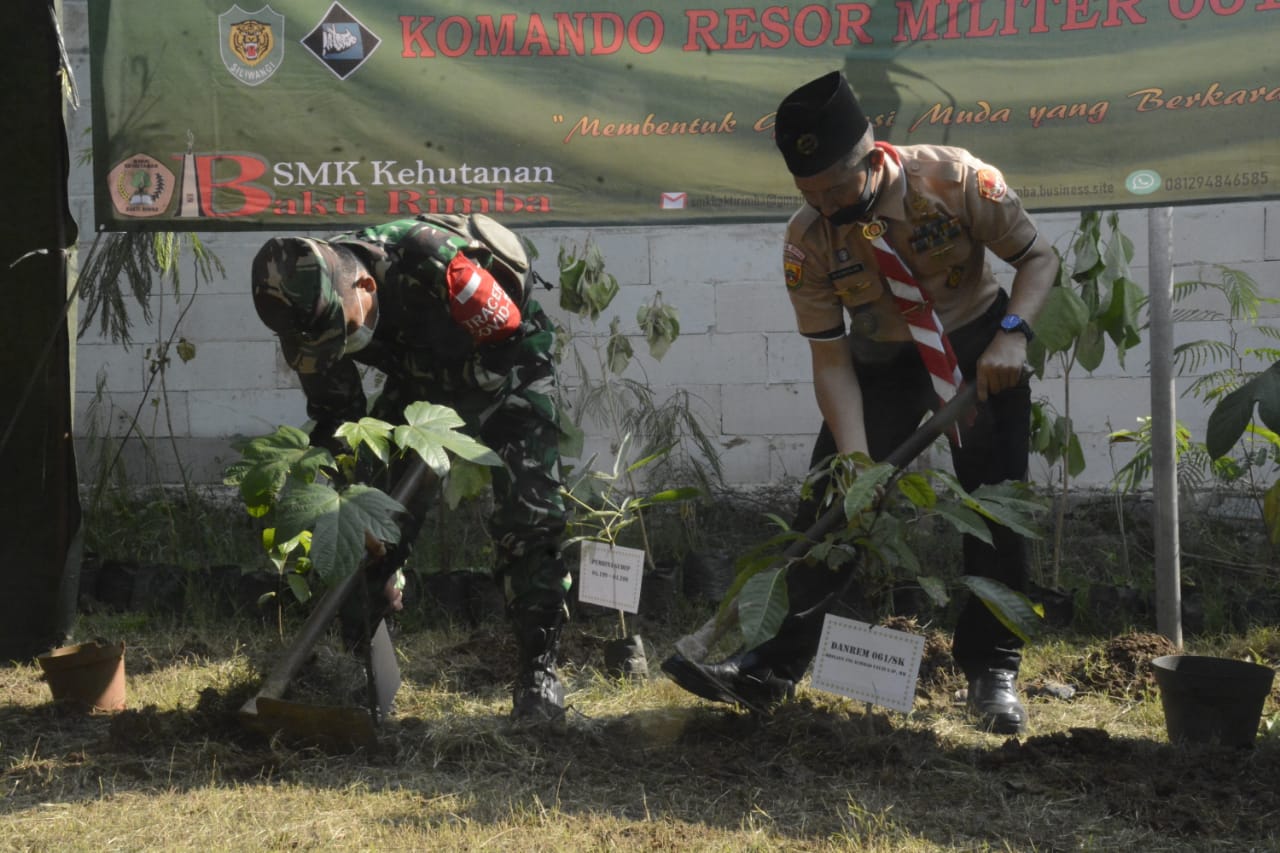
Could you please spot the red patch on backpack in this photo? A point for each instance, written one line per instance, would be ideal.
(478, 303)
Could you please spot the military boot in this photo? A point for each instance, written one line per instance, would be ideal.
(538, 693)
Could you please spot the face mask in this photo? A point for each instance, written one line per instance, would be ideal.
(360, 338)
(866, 201)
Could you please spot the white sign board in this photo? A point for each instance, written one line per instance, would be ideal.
(874, 664)
(610, 575)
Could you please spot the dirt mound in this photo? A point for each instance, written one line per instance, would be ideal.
(939, 674)
(1123, 666)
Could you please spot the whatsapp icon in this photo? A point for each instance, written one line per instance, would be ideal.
(1143, 182)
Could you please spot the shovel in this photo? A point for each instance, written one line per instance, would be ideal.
(268, 712)
(693, 648)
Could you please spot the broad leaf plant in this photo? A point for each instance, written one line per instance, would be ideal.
(317, 516)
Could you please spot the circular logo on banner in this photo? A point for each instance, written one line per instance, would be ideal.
(1143, 182)
(140, 186)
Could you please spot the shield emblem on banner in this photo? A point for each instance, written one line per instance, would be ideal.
(251, 43)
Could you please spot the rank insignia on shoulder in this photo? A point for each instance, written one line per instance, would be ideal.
(991, 184)
(791, 272)
(791, 250)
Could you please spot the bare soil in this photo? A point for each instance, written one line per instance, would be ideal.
(1095, 772)
(640, 765)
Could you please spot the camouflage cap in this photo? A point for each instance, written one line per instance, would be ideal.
(295, 296)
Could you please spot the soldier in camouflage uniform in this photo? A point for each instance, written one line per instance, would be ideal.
(440, 306)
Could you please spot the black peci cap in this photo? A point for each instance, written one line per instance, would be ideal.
(821, 123)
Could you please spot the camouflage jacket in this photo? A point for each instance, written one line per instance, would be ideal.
(418, 347)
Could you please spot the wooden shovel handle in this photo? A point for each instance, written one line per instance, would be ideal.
(326, 609)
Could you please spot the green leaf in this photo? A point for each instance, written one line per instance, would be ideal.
(1091, 347)
(650, 459)
(430, 430)
(683, 493)
(660, 324)
(1116, 258)
(1062, 320)
(268, 461)
(1120, 320)
(1075, 456)
(917, 489)
(298, 586)
(1087, 248)
(465, 480)
(572, 438)
(762, 605)
(338, 521)
(1229, 418)
(1014, 610)
(1268, 396)
(1271, 512)
(889, 540)
(571, 271)
(369, 432)
(862, 493)
(1008, 512)
(935, 589)
(618, 351)
(965, 520)
(288, 546)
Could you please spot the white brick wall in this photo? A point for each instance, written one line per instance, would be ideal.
(738, 352)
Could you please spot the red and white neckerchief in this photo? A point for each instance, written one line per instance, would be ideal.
(917, 309)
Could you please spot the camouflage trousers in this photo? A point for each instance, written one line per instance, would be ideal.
(508, 403)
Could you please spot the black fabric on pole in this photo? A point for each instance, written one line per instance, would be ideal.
(40, 517)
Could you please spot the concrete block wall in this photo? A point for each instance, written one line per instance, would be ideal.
(738, 355)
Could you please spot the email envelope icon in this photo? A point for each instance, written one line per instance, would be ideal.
(674, 201)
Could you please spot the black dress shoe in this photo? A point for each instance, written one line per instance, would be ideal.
(741, 679)
(993, 698)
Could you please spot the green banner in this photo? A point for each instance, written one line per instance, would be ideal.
(304, 114)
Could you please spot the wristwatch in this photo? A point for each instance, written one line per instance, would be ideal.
(1014, 323)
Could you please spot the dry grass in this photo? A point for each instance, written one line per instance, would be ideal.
(639, 766)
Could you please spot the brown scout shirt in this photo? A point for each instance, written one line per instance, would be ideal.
(944, 208)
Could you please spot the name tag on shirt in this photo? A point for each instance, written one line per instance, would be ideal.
(845, 272)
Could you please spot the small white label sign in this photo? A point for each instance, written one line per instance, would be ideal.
(874, 664)
(610, 575)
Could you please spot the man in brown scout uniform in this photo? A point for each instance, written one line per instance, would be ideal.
(896, 240)
(440, 305)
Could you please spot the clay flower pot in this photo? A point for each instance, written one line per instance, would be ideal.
(88, 676)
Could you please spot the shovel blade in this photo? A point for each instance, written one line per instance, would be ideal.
(384, 673)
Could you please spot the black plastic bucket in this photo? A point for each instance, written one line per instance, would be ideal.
(1212, 700)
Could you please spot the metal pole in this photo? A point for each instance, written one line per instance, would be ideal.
(1164, 464)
